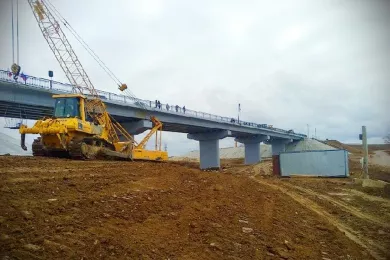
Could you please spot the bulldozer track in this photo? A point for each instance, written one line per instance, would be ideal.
(83, 149)
(74, 150)
(38, 148)
(90, 148)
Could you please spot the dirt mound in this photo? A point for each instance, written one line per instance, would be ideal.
(372, 147)
(63, 209)
(378, 147)
(339, 145)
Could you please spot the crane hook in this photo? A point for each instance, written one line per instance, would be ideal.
(15, 68)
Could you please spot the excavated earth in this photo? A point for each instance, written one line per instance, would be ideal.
(64, 209)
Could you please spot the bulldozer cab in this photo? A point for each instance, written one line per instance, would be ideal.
(69, 106)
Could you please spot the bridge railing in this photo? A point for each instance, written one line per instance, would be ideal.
(42, 83)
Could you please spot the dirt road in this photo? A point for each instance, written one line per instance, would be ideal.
(361, 217)
(63, 209)
(362, 214)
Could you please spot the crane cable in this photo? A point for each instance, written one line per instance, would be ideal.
(15, 68)
(54, 10)
(126, 91)
(58, 15)
(13, 37)
(17, 31)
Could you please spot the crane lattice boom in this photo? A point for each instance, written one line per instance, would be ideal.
(72, 67)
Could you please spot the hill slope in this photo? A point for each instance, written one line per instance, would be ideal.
(340, 145)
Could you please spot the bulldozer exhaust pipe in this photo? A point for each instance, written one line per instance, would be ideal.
(23, 141)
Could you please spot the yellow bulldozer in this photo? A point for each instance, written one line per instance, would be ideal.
(75, 132)
(81, 127)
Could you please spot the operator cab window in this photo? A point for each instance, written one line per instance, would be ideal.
(67, 107)
(88, 116)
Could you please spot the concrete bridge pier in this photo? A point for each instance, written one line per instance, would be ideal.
(278, 145)
(209, 147)
(252, 147)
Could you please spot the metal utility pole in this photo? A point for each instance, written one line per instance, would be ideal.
(308, 131)
(307, 138)
(239, 110)
(363, 137)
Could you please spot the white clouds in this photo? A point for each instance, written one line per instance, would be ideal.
(238, 25)
(149, 8)
(290, 36)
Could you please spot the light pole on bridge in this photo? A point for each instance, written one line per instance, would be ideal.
(239, 111)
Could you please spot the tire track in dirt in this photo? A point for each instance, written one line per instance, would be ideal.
(385, 202)
(350, 209)
(58, 177)
(61, 174)
(375, 250)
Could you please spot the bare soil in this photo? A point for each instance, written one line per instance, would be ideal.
(372, 147)
(381, 158)
(64, 209)
(376, 172)
(339, 145)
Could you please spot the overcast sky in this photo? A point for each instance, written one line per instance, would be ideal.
(289, 63)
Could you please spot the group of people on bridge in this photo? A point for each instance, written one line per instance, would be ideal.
(168, 107)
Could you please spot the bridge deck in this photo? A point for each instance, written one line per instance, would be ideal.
(15, 102)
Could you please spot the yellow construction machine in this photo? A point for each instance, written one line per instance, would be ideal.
(139, 151)
(81, 127)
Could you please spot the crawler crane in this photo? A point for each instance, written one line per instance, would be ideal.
(81, 127)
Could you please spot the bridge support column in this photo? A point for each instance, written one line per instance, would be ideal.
(278, 146)
(252, 147)
(209, 147)
(137, 127)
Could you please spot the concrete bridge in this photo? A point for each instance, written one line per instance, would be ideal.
(30, 98)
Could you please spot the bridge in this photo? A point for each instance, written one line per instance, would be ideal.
(31, 98)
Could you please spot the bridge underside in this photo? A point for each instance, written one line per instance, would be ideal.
(33, 112)
(9, 109)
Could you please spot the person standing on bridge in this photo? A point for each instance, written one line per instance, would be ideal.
(167, 106)
(184, 109)
(177, 108)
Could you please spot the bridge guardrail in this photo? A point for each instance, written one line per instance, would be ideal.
(146, 104)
